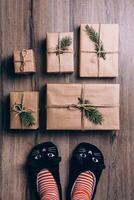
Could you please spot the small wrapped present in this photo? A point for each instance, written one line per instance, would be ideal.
(60, 52)
(24, 61)
(99, 50)
(82, 107)
(24, 110)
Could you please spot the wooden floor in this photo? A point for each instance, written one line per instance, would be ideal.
(24, 24)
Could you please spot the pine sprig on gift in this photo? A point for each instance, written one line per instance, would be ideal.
(64, 43)
(94, 115)
(94, 37)
(91, 113)
(27, 119)
(26, 116)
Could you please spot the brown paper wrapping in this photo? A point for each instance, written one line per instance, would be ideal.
(104, 96)
(24, 61)
(66, 63)
(109, 34)
(30, 101)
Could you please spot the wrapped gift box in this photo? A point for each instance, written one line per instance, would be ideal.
(65, 113)
(99, 50)
(22, 103)
(24, 61)
(60, 52)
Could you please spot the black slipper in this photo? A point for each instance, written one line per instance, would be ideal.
(43, 156)
(85, 157)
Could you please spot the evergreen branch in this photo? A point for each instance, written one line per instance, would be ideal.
(91, 113)
(94, 37)
(64, 43)
(27, 119)
(92, 34)
(94, 115)
(25, 115)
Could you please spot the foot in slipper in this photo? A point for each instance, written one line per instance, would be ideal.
(43, 171)
(86, 166)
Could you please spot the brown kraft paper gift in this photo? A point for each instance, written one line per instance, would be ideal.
(30, 101)
(92, 65)
(58, 60)
(62, 99)
(24, 61)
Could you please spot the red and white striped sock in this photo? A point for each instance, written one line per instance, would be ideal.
(46, 186)
(83, 186)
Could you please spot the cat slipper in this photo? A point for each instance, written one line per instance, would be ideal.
(86, 166)
(43, 171)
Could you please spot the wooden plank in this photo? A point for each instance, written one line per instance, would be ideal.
(50, 16)
(83, 14)
(15, 34)
(1, 100)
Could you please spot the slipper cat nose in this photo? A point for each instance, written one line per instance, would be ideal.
(90, 152)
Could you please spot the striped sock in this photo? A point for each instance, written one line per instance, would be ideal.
(83, 186)
(47, 186)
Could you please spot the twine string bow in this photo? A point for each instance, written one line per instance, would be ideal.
(22, 60)
(23, 54)
(81, 106)
(19, 108)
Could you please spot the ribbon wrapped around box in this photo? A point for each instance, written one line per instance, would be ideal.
(99, 50)
(65, 112)
(60, 52)
(24, 61)
(24, 110)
